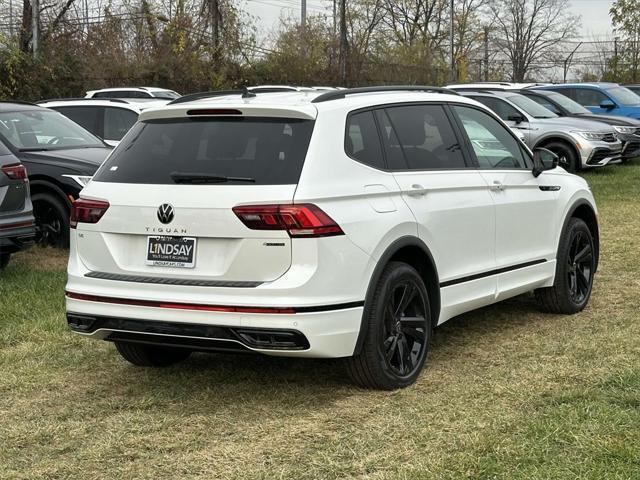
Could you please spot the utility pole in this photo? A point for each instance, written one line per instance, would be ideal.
(11, 18)
(486, 53)
(567, 62)
(453, 60)
(35, 20)
(335, 21)
(303, 13)
(214, 7)
(615, 59)
(344, 45)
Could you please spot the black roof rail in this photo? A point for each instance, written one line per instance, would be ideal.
(340, 94)
(216, 93)
(484, 89)
(115, 100)
(19, 102)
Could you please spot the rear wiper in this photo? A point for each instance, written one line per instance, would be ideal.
(203, 178)
(34, 149)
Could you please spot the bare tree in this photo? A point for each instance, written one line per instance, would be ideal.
(530, 30)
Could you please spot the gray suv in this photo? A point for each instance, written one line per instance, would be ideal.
(578, 143)
(17, 229)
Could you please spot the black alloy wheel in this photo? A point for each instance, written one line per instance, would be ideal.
(575, 268)
(396, 330)
(405, 329)
(580, 267)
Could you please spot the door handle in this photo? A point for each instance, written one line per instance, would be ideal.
(497, 186)
(417, 190)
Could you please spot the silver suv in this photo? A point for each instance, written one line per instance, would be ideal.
(578, 143)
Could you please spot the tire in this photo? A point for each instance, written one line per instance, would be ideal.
(4, 260)
(574, 272)
(143, 355)
(397, 321)
(52, 220)
(567, 157)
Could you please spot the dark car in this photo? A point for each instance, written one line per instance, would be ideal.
(627, 128)
(60, 157)
(17, 229)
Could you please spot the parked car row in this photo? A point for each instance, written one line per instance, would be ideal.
(550, 116)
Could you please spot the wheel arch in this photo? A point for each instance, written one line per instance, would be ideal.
(412, 251)
(583, 210)
(37, 186)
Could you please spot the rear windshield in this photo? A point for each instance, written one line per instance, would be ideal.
(268, 151)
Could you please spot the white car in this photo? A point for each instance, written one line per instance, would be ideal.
(340, 224)
(133, 92)
(107, 118)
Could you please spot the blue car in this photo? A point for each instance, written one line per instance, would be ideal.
(603, 98)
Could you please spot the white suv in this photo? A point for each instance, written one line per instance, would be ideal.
(340, 224)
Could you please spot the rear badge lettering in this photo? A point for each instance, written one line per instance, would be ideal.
(165, 230)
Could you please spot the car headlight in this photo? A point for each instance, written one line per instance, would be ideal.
(81, 180)
(628, 130)
(592, 135)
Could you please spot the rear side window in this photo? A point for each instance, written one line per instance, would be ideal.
(270, 151)
(362, 142)
(4, 150)
(87, 117)
(426, 137)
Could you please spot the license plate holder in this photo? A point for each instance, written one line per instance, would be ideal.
(174, 252)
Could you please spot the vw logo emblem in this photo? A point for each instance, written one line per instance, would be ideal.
(165, 213)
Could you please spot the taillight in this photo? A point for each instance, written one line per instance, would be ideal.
(87, 211)
(15, 172)
(303, 220)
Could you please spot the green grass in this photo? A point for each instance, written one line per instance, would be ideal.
(508, 393)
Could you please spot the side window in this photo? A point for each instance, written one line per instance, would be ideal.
(117, 122)
(493, 145)
(588, 97)
(426, 137)
(87, 117)
(499, 107)
(362, 141)
(545, 103)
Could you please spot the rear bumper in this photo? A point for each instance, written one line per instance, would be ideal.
(18, 234)
(317, 334)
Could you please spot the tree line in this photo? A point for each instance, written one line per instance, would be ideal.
(60, 48)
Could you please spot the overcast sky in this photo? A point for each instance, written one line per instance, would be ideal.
(595, 13)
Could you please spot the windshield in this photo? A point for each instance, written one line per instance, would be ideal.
(44, 129)
(569, 105)
(530, 107)
(165, 94)
(244, 150)
(623, 95)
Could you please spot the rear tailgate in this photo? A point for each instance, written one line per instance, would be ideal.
(234, 160)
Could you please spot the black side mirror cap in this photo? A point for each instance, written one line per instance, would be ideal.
(543, 159)
(516, 118)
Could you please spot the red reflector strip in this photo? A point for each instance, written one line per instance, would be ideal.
(17, 225)
(179, 306)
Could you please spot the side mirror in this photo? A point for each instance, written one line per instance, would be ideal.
(516, 118)
(543, 160)
(607, 104)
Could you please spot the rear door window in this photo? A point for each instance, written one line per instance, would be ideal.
(117, 122)
(426, 137)
(87, 117)
(270, 151)
(588, 97)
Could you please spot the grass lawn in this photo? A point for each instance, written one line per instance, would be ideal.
(508, 393)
